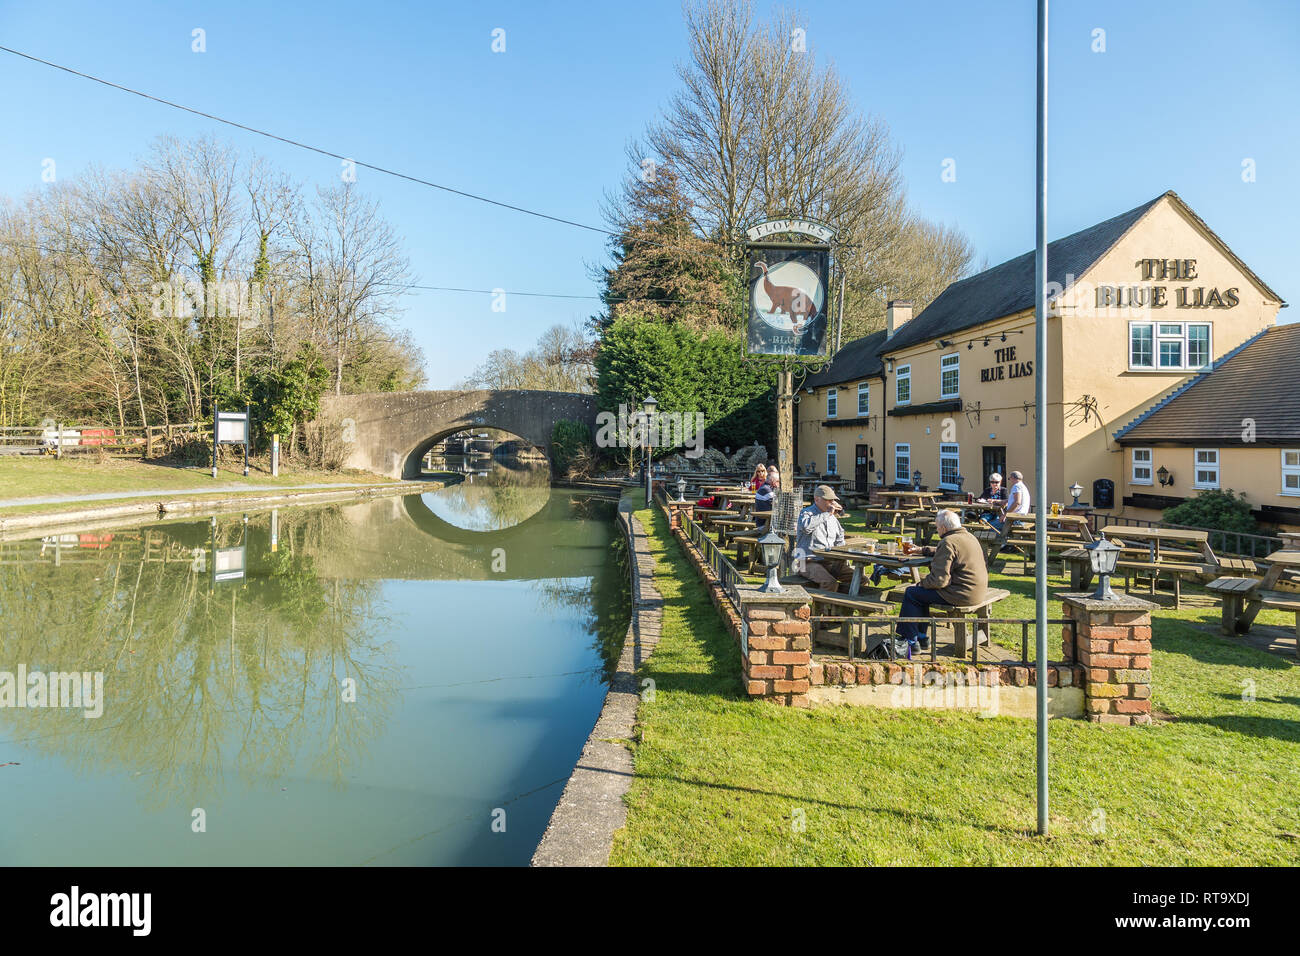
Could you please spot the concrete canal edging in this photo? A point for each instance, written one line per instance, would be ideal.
(96, 517)
(591, 809)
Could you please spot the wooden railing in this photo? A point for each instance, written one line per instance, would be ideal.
(62, 439)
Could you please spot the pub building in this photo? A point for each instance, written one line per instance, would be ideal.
(1159, 337)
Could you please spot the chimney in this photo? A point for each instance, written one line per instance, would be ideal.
(897, 313)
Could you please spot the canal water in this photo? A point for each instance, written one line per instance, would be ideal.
(400, 681)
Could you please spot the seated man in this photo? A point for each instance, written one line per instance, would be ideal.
(957, 577)
(818, 528)
(1017, 501)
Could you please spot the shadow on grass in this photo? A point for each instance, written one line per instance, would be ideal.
(1203, 643)
(1276, 728)
(700, 618)
(804, 799)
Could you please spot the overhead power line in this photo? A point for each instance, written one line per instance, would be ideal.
(307, 146)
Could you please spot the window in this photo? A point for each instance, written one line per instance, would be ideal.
(1198, 346)
(1141, 466)
(903, 384)
(903, 464)
(1140, 354)
(832, 403)
(1169, 345)
(949, 466)
(864, 399)
(1291, 471)
(1207, 468)
(949, 375)
(832, 460)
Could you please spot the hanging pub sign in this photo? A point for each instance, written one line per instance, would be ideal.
(788, 300)
(229, 428)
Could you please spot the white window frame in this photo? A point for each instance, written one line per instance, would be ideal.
(949, 452)
(864, 399)
(1134, 464)
(1197, 467)
(904, 375)
(1182, 337)
(832, 403)
(832, 459)
(956, 368)
(903, 450)
(1290, 470)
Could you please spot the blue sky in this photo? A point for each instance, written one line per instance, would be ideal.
(1182, 94)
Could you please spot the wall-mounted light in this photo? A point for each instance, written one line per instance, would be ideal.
(986, 341)
(1004, 336)
(1166, 477)
(916, 480)
(889, 365)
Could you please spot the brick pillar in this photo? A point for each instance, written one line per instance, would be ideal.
(679, 508)
(776, 644)
(1113, 640)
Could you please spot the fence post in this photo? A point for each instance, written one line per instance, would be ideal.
(58, 441)
(1113, 643)
(776, 645)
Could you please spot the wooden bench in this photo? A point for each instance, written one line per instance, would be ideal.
(824, 601)
(1079, 562)
(981, 612)
(1243, 599)
(888, 517)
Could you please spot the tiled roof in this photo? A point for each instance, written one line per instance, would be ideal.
(1260, 380)
(859, 359)
(1009, 287)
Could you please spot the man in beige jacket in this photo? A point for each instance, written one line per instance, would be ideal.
(957, 577)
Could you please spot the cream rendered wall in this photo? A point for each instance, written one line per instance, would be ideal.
(1002, 413)
(1256, 472)
(812, 437)
(1095, 359)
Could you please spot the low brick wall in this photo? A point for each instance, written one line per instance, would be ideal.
(1003, 673)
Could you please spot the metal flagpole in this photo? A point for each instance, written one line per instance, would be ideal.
(1040, 476)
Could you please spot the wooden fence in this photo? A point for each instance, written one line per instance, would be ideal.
(62, 439)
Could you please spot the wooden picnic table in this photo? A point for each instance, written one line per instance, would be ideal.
(727, 524)
(861, 558)
(1155, 537)
(910, 499)
(1243, 597)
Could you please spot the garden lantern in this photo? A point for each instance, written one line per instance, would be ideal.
(771, 546)
(648, 405)
(681, 490)
(916, 480)
(1103, 555)
(1076, 489)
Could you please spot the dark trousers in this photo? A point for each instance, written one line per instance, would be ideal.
(916, 603)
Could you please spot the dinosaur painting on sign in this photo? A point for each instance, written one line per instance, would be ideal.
(787, 301)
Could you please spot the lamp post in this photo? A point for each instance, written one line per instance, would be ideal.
(771, 546)
(648, 405)
(1103, 555)
(1076, 489)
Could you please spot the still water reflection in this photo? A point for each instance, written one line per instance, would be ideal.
(359, 683)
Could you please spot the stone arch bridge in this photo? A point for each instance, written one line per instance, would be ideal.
(389, 432)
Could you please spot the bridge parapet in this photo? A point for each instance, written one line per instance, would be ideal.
(388, 432)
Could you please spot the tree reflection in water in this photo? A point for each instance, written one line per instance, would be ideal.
(202, 678)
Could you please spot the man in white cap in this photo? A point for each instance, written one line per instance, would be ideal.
(818, 528)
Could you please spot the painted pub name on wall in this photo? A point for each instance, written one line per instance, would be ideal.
(1009, 367)
(1157, 296)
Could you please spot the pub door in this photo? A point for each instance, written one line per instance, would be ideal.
(863, 467)
(994, 459)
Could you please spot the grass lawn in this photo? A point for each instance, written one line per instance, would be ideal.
(721, 779)
(33, 477)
